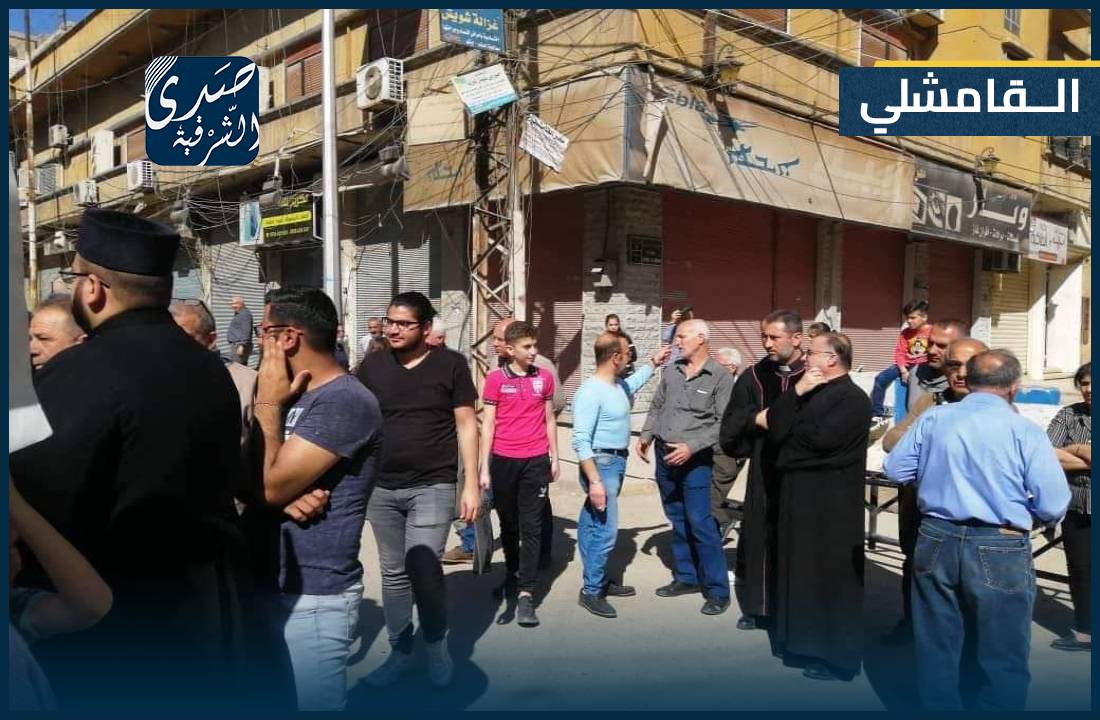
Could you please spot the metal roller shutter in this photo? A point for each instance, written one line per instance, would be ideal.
(1009, 302)
(373, 285)
(950, 280)
(414, 264)
(234, 270)
(186, 278)
(871, 294)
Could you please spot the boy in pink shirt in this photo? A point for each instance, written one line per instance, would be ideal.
(519, 458)
(911, 350)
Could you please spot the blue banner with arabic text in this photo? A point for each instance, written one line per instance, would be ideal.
(481, 29)
(969, 101)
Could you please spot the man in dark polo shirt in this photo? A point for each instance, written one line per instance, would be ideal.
(239, 334)
(427, 398)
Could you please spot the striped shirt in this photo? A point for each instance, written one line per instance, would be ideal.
(1071, 426)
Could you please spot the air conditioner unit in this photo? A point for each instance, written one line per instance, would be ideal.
(264, 74)
(23, 198)
(47, 178)
(140, 176)
(103, 151)
(85, 193)
(1000, 261)
(24, 178)
(59, 136)
(380, 83)
(924, 18)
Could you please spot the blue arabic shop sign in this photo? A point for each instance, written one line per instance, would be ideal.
(481, 29)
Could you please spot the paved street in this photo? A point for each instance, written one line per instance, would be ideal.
(662, 654)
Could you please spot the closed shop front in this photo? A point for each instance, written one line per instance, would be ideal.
(234, 271)
(1009, 295)
(950, 280)
(873, 266)
(186, 276)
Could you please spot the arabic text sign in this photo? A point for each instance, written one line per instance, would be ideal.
(1047, 241)
(544, 142)
(924, 100)
(202, 111)
(955, 205)
(291, 219)
(481, 29)
(484, 89)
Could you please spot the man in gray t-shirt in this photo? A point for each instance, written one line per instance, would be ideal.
(928, 378)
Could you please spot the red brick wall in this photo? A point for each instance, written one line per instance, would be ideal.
(873, 268)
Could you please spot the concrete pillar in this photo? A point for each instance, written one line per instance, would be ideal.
(830, 253)
(915, 285)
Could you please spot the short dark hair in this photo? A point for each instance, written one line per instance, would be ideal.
(791, 320)
(996, 369)
(1085, 371)
(913, 306)
(133, 290)
(418, 303)
(310, 310)
(842, 346)
(607, 344)
(519, 330)
(818, 328)
(963, 328)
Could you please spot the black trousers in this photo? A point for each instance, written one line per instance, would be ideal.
(1077, 541)
(520, 487)
(908, 523)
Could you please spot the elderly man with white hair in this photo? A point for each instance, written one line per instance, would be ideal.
(683, 421)
(726, 467)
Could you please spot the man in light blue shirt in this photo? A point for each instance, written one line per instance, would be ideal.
(984, 475)
(601, 435)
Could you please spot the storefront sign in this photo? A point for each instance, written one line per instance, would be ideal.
(544, 142)
(291, 220)
(1047, 241)
(250, 228)
(484, 89)
(956, 205)
(481, 29)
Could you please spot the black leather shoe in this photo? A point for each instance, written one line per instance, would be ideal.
(715, 606)
(819, 672)
(617, 590)
(596, 605)
(748, 622)
(1071, 644)
(677, 588)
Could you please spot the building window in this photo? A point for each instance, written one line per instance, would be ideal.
(303, 73)
(877, 45)
(135, 145)
(397, 33)
(1012, 21)
(773, 18)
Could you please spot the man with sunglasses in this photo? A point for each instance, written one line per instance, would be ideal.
(954, 373)
(146, 441)
(427, 398)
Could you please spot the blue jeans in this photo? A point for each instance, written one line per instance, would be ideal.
(319, 630)
(696, 544)
(466, 535)
(597, 531)
(974, 580)
(882, 382)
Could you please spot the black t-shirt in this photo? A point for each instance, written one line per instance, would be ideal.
(420, 446)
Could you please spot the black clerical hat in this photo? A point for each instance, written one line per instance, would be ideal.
(126, 242)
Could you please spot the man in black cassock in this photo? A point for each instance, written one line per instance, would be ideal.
(146, 438)
(744, 434)
(821, 426)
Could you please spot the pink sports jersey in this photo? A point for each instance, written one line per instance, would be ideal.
(520, 401)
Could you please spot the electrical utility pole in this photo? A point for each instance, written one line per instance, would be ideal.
(330, 200)
(32, 228)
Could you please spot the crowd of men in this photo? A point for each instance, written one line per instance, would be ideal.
(190, 534)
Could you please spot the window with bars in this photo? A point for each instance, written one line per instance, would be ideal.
(1012, 21)
(877, 45)
(303, 73)
(769, 17)
(397, 33)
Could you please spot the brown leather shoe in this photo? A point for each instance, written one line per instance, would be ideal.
(457, 556)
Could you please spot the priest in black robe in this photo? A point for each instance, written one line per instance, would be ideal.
(744, 434)
(821, 426)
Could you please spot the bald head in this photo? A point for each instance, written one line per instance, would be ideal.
(954, 369)
(499, 343)
(52, 330)
(994, 371)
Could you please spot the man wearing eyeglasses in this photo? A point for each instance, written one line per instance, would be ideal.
(820, 427)
(427, 398)
(928, 378)
(146, 441)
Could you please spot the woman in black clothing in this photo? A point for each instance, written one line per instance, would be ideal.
(1071, 434)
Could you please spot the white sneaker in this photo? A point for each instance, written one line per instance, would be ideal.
(389, 672)
(440, 668)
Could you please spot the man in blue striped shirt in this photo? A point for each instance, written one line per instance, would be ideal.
(984, 476)
(601, 434)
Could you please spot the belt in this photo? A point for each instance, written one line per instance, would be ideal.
(1004, 529)
(621, 452)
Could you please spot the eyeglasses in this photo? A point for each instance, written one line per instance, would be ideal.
(69, 277)
(811, 353)
(260, 330)
(402, 325)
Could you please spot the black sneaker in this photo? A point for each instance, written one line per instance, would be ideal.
(596, 605)
(677, 588)
(525, 612)
(715, 606)
(748, 622)
(616, 590)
